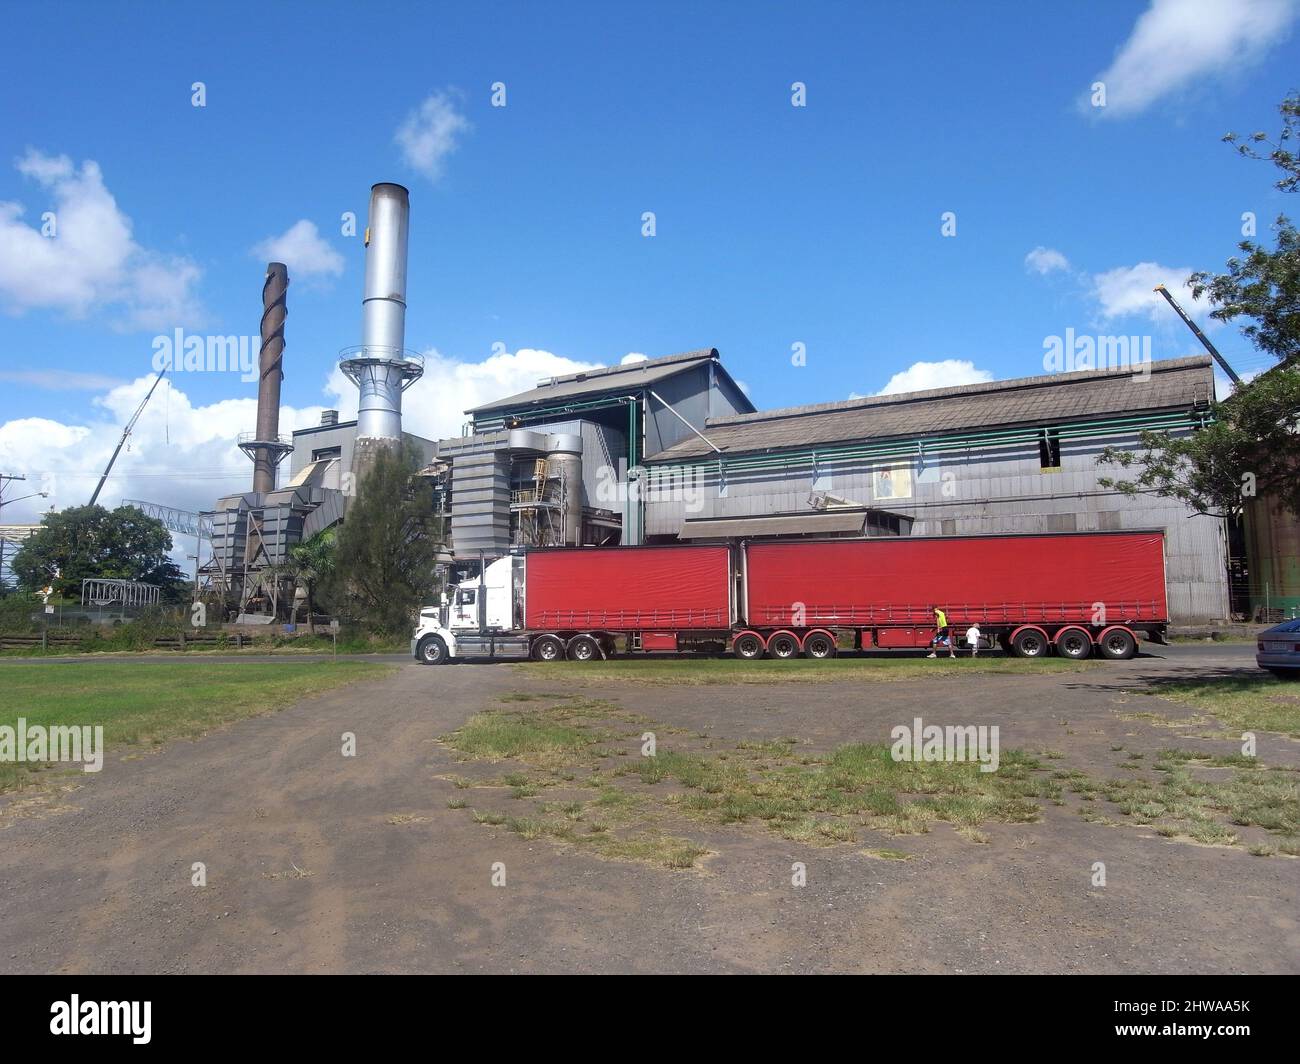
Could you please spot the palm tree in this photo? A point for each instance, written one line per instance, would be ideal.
(307, 565)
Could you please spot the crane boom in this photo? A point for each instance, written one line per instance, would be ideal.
(1205, 340)
(127, 432)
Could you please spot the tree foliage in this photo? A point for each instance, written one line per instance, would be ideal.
(387, 548)
(1251, 448)
(1252, 445)
(1263, 285)
(91, 542)
(310, 565)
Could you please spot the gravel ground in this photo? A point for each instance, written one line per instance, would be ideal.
(306, 873)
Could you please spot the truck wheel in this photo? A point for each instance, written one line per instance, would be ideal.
(583, 648)
(432, 650)
(783, 645)
(1118, 644)
(1074, 643)
(548, 648)
(819, 645)
(1029, 643)
(747, 646)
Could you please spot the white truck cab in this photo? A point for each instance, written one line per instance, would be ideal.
(479, 616)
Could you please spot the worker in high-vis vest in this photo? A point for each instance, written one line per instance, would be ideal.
(941, 633)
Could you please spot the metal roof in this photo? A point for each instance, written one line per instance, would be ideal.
(610, 379)
(773, 525)
(1180, 383)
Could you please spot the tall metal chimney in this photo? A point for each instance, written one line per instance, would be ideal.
(381, 367)
(265, 446)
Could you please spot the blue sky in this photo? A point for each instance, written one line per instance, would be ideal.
(775, 224)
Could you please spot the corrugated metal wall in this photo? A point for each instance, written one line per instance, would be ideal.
(981, 490)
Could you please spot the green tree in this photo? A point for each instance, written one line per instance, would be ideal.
(1252, 446)
(387, 547)
(309, 565)
(91, 542)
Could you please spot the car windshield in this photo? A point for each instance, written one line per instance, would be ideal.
(1287, 626)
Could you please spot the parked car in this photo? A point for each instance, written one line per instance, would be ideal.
(1278, 650)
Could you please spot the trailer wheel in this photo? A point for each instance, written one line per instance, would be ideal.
(1118, 644)
(548, 648)
(1074, 643)
(819, 645)
(583, 648)
(747, 646)
(783, 645)
(432, 650)
(1029, 643)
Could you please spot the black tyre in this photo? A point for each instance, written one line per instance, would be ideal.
(747, 646)
(1119, 644)
(819, 645)
(783, 645)
(1074, 643)
(431, 650)
(548, 648)
(584, 648)
(1029, 643)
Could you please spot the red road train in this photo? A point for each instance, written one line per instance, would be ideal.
(1073, 593)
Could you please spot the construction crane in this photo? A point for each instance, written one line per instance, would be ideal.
(1214, 351)
(127, 432)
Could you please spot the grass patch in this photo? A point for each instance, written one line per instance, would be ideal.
(1244, 703)
(142, 705)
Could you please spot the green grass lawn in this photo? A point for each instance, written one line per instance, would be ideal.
(731, 671)
(1253, 702)
(146, 704)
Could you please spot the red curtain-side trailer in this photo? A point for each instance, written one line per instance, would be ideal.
(1072, 593)
(1075, 592)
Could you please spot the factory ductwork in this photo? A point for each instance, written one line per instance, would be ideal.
(564, 463)
(381, 367)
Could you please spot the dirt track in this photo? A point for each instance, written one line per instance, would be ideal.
(305, 872)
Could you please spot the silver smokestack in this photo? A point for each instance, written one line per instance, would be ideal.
(381, 368)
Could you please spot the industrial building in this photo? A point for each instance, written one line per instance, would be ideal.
(667, 449)
(551, 465)
(1007, 456)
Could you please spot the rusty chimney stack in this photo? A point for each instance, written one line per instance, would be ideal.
(265, 446)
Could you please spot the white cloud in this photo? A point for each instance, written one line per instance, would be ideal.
(632, 357)
(435, 406)
(60, 380)
(1043, 261)
(428, 134)
(303, 250)
(91, 263)
(178, 454)
(1176, 43)
(948, 373)
(1130, 290)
